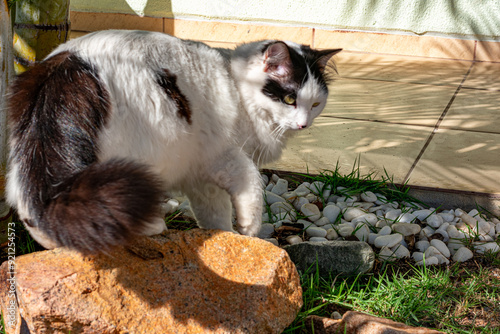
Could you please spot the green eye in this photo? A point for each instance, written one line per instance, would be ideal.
(316, 104)
(289, 100)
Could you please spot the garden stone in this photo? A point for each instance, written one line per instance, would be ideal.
(351, 213)
(386, 230)
(265, 179)
(274, 178)
(368, 218)
(194, 281)
(372, 237)
(316, 187)
(270, 186)
(454, 233)
(482, 248)
(289, 196)
(381, 199)
(266, 231)
(362, 232)
(345, 230)
(392, 214)
(386, 254)
(273, 241)
(418, 256)
(369, 196)
(298, 202)
(443, 233)
(400, 251)
(426, 232)
(382, 223)
(327, 190)
(463, 254)
(317, 239)
(331, 234)
(333, 257)
(311, 211)
(314, 231)
(305, 223)
(280, 187)
(311, 198)
(272, 198)
(331, 212)
(390, 240)
(284, 210)
(422, 214)
(454, 245)
(431, 251)
(322, 221)
(407, 218)
(447, 217)
(303, 189)
(406, 229)
(293, 239)
(441, 247)
(429, 261)
(170, 206)
(434, 221)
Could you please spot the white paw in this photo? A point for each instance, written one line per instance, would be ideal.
(156, 227)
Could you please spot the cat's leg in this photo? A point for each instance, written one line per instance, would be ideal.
(237, 174)
(211, 206)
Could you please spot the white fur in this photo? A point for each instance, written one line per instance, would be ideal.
(233, 123)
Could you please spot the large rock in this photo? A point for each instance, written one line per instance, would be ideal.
(198, 281)
(361, 323)
(332, 257)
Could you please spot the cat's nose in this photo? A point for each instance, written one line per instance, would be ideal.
(300, 126)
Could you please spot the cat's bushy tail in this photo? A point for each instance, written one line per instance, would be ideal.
(104, 205)
(64, 195)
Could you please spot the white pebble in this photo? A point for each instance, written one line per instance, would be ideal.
(431, 251)
(369, 196)
(487, 247)
(406, 218)
(272, 198)
(280, 187)
(303, 189)
(426, 232)
(331, 234)
(270, 186)
(422, 245)
(331, 212)
(441, 247)
(429, 261)
(392, 214)
(422, 214)
(351, 213)
(316, 187)
(266, 231)
(400, 251)
(417, 256)
(293, 239)
(406, 229)
(434, 221)
(386, 254)
(447, 217)
(362, 232)
(273, 241)
(265, 179)
(170, 206)
(299, 201)
(390, 240)
(311, 198)
(386, 230)
(345, 230)
(317, 239)
(305, 223)
(368, 218)
(322, 222)
(289, 196)
(463, 254)
(372, 237)
(311, 211)
(314, 231)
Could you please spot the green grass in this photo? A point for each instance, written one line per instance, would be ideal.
(462, 298)
(452, 300)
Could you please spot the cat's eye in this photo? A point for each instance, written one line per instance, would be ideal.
(289, 100)
(316, 104)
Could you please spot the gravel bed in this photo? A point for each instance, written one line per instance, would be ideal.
(316, 212)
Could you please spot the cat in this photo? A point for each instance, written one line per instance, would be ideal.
(109, 121)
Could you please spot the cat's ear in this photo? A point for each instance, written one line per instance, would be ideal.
(277, 60)
(324, 56)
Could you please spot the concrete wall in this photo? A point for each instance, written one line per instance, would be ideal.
(466, 19)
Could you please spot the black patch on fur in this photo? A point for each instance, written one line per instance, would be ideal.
(278, 88)
(55, 113)
(312, 57)
(168, 82)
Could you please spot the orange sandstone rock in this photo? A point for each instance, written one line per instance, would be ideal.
(198, 281)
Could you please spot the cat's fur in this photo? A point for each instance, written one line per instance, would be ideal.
(110, 120)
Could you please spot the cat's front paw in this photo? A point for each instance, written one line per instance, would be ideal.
(250, 230)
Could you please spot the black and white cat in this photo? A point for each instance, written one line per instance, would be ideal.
(109, 121)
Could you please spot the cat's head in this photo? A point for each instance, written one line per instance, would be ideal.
(283, 82)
